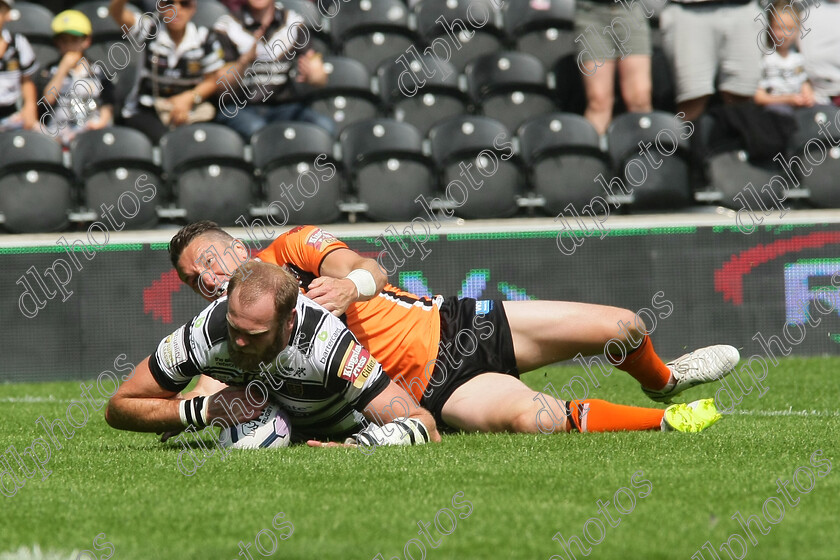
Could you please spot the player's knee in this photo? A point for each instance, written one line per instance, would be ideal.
(630, 326)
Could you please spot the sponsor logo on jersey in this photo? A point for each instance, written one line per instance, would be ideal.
(174, 353)
(483, 307)
(356, 365)
(199, 322)
(320, 239)
(328, 349)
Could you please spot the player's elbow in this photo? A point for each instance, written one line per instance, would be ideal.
(379, 276)
(112, 414)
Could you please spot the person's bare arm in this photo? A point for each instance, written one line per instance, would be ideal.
(120, 14)
(53, 87)
(334, 290)
(142, 405)
(29, 109)
(184, 102)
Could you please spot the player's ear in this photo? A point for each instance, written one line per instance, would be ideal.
(242, 252)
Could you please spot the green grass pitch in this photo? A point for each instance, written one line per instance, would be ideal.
(522, 489)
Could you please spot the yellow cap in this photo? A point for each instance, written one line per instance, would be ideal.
(72, 22)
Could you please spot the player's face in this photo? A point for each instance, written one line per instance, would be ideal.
(206, 265)
(256, 335)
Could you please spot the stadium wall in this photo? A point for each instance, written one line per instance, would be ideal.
(723, 285)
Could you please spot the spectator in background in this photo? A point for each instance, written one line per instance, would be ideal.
(74, 109)
(179, 67)
(712, 42)
(599, 57)
(264, 47)
(784, 84)
(820, 49)
(17, 65)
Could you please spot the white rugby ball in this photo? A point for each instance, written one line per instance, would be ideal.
(272, 428)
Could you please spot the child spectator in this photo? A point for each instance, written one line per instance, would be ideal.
(17, 65)
(784, 84)
(77, 100)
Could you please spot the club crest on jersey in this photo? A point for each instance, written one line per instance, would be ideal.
(293, 388)
(320, 239)
(356, 365)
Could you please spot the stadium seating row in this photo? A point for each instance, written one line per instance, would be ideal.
(527, 52)
(470, 166)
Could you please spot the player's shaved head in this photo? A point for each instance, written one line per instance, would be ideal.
(254, 279)
(191, 232)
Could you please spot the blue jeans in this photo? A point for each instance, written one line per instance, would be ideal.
(251, 118)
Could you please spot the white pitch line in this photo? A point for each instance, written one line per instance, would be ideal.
(29, 399)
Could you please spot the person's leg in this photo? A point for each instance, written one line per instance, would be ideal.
(740, 67)
(146, 120)
(301, 113)
(247, 121)
(689, 37)
(495, 402)
(636, 86)
(545, 332)
(599, 87)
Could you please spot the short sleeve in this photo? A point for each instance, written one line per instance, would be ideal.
(304, 246)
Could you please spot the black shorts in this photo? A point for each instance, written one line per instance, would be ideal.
(474, 339)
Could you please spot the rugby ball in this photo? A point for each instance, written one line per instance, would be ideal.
(272, 428)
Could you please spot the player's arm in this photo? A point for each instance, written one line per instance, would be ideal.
(394, 403)
(141, 404)
(346, 277)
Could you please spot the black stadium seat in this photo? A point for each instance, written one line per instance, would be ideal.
(104, 27)
(297, 154)
(563, 157)
(33, 21)
(319, 38)
(667, 186)
(422, 93)
(208, 12)
(116, 168)
(817, 153)
(476, 152)
(544, 29)
(728, 167)
(346, 97)
(468, 28)
(205, 166)
(36, 190)
(372, 30)
(509, 87)
(385, 160)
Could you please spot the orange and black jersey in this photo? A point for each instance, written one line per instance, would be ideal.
(400, 329)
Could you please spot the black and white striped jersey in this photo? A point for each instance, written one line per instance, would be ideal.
(17, 60)
(323, 378)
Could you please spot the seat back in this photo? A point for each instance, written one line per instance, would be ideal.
(199, 144)
(36, 191)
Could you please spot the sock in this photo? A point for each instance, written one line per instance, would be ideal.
(645, 366)
(595, 415)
